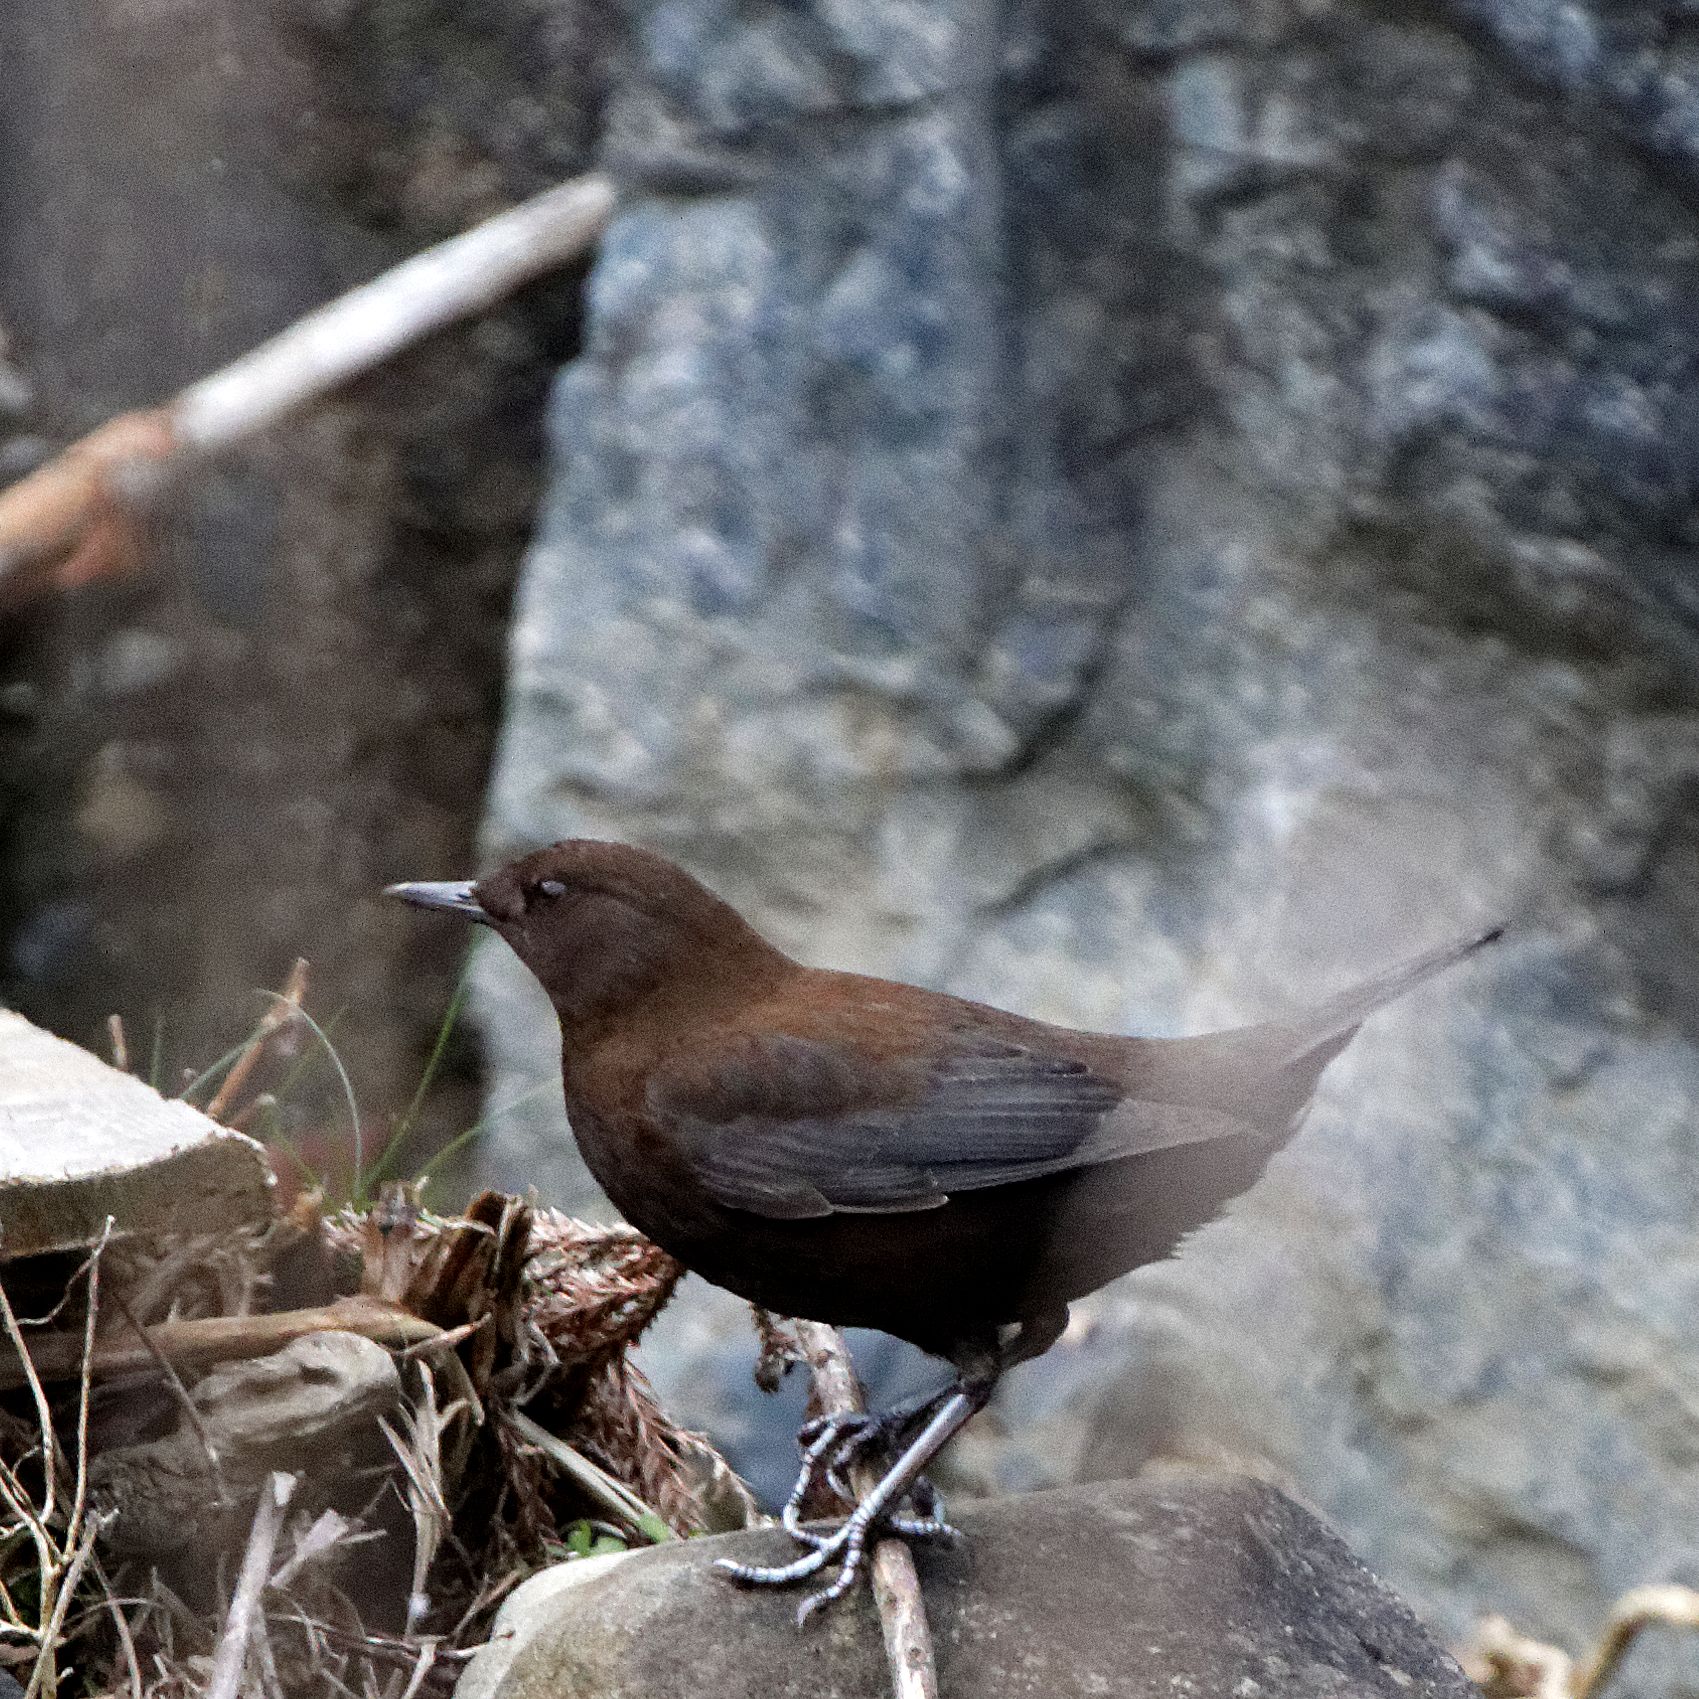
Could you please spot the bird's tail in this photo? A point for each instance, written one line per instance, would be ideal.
(1322, 1032)
(1266, 1074)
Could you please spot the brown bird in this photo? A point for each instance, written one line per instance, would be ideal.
(871, 1154)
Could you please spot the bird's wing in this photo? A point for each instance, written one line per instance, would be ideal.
(796, 1127)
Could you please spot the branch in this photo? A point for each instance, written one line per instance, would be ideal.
(896, 1584)
(1510, 1665)
(200, 1342)
(1640, 1608)
(82, 502)
(276, 1016)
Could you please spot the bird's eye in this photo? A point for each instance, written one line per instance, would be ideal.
(550, 888)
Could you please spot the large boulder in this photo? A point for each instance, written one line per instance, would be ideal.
(1123, 1591)
(1140, 512)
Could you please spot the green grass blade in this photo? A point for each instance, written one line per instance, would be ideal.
(347, 1085)
(387, 1156)
(461, 1140)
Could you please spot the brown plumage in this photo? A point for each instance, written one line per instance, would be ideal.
(868, 1153)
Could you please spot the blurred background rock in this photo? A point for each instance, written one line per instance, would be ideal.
(1136, 512)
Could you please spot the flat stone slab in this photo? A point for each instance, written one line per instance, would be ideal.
(1197, 1586)
(80, 1141)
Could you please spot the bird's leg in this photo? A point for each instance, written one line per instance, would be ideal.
(859, 1437)
(847, 1544)
(831, 1445)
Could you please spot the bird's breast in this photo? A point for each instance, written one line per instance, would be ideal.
(643, 1174)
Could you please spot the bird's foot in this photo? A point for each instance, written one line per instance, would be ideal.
(833, 1445)
(829, 1446)
(846, 1546)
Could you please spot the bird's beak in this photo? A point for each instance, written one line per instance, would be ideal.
(457, 895)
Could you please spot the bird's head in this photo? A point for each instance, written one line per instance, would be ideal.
(605, 926)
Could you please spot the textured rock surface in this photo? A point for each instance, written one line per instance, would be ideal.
(1140, 512)
(1125, 1589)
(314, 1408)
(527, 1612)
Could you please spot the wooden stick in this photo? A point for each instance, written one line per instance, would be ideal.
(232, 1653)
(896, 1583)
(363, 328)
(199, 1343)
(82, 499)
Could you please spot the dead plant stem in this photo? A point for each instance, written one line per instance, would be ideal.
(232, 1653)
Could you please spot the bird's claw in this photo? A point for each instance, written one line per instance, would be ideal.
(848, 1435)
(924, 1528)
(831, 1446)
(817, 1439)
(846, 1545)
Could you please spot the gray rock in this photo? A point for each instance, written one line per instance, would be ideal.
(525, 1613)
(1187, 1587)
(315, 1407)
(1197, 502)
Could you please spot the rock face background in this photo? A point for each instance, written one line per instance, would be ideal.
(1139, 512)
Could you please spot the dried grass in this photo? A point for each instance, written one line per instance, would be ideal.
(531, 1316)
(1507, 1664)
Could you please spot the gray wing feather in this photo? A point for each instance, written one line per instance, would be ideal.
(783, 1128)
(996, 1115)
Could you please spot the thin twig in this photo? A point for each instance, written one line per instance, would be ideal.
(277, 1016)
(121, 1625)
(1507, 1664)
(185, 1403)
(85, 498)
(329, 1531)
(120, 1048)
(65, 1583)
(427, 1659)
(896, 1583)
(444, 1341)
(1644, 1607)
(85, 1382)
(420, 1457)
(28, 1372)
(60, 1561)
(232, 1651)
(200, 1341)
